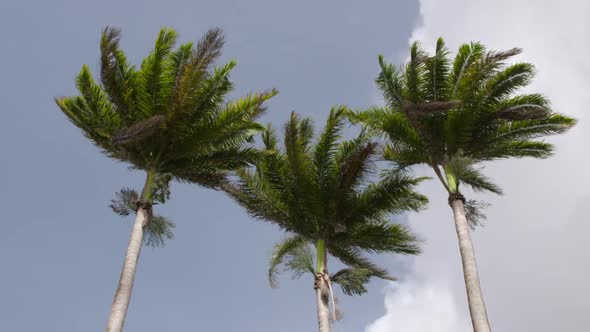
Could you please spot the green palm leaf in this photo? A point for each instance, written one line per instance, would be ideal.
(320, 191)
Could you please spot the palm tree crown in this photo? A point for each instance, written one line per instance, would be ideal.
(320, 195)
(170, 115)
(453, 114)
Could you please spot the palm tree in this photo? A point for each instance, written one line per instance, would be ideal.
(167, 117)
(452, 116)
(321, 196)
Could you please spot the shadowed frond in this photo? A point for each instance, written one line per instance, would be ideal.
(390, 83)
(326, 147)
(380, 237)
(462, 168)
(437, 73)
(161, 188)
(157, 231)
(415, 74)
(353, 258)
(352, 280)
(394, 194)
(300, 261)
(137, 131)
(474, 213)
(118, 78)
(124, 202)
(269, 138)
(282, 249)
(516, 149)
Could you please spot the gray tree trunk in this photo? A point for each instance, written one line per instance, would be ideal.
(477, 307)
(322, 294)
(123, 294)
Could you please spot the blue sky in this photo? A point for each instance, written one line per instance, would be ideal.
(62, 248)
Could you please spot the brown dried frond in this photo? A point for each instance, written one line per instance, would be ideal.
(495, 56)
(430, 107)
(138, 130)
(209, 48)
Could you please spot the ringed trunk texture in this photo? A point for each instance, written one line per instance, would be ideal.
(123, 294)
(477, 307)
(321, 288)
(322, 295)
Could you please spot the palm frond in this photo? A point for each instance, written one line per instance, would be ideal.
(462, 168)
(118, 78)
(300, 261)
(504, 83)
(393, 194)
(97, 108)
(178, 61)
(390, 83)
(534, 128)
(516, 149)
(402, 155)
(352, 280)
(258, 198)
(353, 258)
(209, 48)
(355, 160)
(124, 202)
(437, 73)
(238, 114)
(474, 213)
(326, 147)
(466, 56)
(161, 187)
(280, 252)
(154, 75)
(298, 134)
(415, 74)
(269, 138)
(381, 236)
(157, 231)
(137, 131)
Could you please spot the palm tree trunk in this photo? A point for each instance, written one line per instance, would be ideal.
(123, 293)
(321, 288)
(477, 307)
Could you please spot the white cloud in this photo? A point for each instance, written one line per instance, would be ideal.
(420, 307)
(534, 253)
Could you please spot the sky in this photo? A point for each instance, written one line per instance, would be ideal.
(533, 253)
(61, 248)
